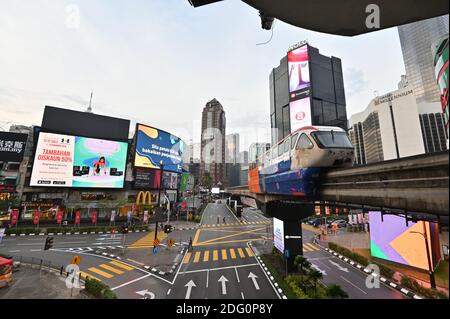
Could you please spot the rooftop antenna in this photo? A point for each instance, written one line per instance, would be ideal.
(89, 109)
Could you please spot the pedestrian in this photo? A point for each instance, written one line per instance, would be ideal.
(190, 244)
(218, 222)
(224, 219)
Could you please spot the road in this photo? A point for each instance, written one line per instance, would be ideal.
(221, 264)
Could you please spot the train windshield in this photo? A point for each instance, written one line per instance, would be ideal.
(332, 139)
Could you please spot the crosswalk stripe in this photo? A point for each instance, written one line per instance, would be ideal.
(232, 253)
(312, 246)
(100, 272)
(224, 254)
(84, 275)
(206, 255)
(306, 248)
(186, 258)
(249, 251)
(241, 253)
(114, 270)
(115, 263)
(215, 255)
(197, 257)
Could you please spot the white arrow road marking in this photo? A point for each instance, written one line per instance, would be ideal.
(338, 266)
(253, 277)
(189, 286)
(223, 280)
(323, 272)
(146, 294)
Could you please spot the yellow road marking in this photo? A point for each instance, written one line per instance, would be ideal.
(215, 255)
(249, 251)
(224, 254)
(306, 248)
(241, 253)
(197, 257)
(84, 275)
(228, 236)
(312, 246)
(114, 270)
(100, 272)
(231, 241)
(147, 240)
(206, 255)
(115, 263)
(197, 234)
(232, 253)
(186, 258)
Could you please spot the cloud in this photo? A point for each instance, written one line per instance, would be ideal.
(355, 81)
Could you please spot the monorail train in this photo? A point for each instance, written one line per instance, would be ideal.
(293, 166)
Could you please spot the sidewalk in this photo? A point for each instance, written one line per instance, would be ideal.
(29, 284)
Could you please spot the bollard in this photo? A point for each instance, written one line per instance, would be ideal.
(61, 270)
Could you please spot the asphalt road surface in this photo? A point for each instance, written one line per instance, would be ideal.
(221, 264)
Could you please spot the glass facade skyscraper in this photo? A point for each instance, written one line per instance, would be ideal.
(416, 40)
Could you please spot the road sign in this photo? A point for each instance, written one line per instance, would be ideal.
(75, 260)
(170, 242)
(156, 242)
(286, 253)
(293, 237)
(155, 250)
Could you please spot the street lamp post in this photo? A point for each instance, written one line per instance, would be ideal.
(430, 266)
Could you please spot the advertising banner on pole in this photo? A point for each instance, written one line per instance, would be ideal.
(94, 217)
(59, 217)
(36, 216)
(77, 217)
(14, 217)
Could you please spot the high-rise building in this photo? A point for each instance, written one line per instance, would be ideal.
(416, 40)
(440, 54)
(212, 162)
(232, 148)
(307, 88)
(243, 176)
(256, 150)
(394, 126)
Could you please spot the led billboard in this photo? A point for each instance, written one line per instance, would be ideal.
(298, 70)
(146, 178)
(300, 113)
(154, 146)
(75, 161)
(278, 234)
(12, 146)
(392, 239)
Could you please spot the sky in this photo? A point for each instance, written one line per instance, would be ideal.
(159, 61)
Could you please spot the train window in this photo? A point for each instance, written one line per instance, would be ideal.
(280, 149)
(275, 152)
(304, 142)
(293, 141)
(287, 144)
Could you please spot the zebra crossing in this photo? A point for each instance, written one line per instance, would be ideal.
(307, 247)
(106, 270)
(217, 255)
(244, 222)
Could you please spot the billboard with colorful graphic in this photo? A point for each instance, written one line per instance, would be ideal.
(298, 70)
(12, 146)
(393, 239)
(154, 146)
(278, 234)
(300, 113)
(75, 161)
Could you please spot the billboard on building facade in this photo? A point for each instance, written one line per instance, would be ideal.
(278, 234)
(392, 239)
(300, 113)
(12, 146)
(74, 161)
(154, 145)
(298, 71)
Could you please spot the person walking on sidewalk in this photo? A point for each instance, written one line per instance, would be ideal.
(190, 244)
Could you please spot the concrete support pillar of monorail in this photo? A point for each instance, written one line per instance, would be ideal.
(288, 237)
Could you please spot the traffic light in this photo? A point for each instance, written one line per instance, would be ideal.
(168, 228)
(48, 243)
(124, 229)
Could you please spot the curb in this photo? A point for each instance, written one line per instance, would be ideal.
(165, 273)
(384, 280)
(267, 272)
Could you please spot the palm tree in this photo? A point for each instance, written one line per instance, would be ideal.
(315, 276)
(301, 263)
(336, 292)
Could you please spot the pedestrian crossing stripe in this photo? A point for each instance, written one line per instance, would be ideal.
(310, 247)
(147, 240)
(85, 275)
(216, 255)
(106, 270)
(237, 224)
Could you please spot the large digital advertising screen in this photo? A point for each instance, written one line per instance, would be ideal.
(12, 146)
(278, 234)
(394, 240)
(154, 146)
(298, 70)
(300, 113)
(147, 178)
(75, 161)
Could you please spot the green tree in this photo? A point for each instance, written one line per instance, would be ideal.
(302, 264)
(336, 292)
(207, 180)
(314, 276)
